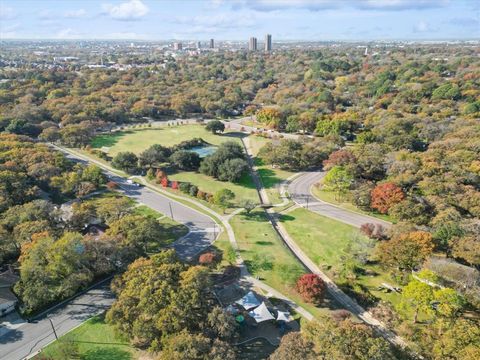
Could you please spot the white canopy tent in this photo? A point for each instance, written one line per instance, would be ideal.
(283, 316)
(249, 301)
(261, 313)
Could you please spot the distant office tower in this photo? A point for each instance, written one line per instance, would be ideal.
(268, 42)
(252, 44)
(212, 44)
(177, 46)
(199, 45)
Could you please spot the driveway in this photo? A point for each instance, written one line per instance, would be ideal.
(299, 190)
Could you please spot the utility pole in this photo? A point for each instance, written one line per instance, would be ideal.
(53, 328)
(214, 230)
(307, 201)
(171, 211)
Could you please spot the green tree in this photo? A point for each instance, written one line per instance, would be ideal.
(222, 198)
(126, 161)
(186, 160)
(215, 126)
(339, 180)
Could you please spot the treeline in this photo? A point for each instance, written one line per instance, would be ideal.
(332, 90)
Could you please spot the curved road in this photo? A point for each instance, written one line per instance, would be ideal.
(300, 192)
(19, 339)
(202, 228)
(301, 189)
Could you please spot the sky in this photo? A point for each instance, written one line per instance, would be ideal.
(318, 20)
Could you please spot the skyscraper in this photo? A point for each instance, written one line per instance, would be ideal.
(252, 44)
(268, 42)
(199, 45)
(212, 44)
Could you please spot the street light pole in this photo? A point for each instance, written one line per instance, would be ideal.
(171, 211)
(53, 328)
(307, 201)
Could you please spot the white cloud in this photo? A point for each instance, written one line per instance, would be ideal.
(219, 21)
(318, 5)
(68, 34)
(127, 11)
(7, 13)
(401, 4)
(423, 27)
(73, 14)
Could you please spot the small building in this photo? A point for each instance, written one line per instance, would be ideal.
(7, 299)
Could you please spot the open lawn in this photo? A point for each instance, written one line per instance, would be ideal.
(325, 241)
(244, 189)
(329, 196)
(172, 229)
(271, 177)
(94, 339)
(139, 140)
(268, 258)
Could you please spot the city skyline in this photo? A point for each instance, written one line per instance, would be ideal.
(311, 20)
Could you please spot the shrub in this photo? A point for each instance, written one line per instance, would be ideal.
(311, 288)
(207, 258)
(185, 187)
(201, 195)
(174, 185)
(111, 185)
(373, 231)
(193, 190)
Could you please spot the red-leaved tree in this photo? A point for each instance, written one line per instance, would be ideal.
(340, 157)
(174, 185)
(384, 196)
(164, 182)
(311, 288)
(207, 258)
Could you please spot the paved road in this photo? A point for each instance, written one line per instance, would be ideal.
(19, 339)
(203, 228)
(299, 190)
(25, 338)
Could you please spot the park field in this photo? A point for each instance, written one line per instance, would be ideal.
(270, 260)
(138, 140)
(271, 177)
(93, 340)
(326, 242)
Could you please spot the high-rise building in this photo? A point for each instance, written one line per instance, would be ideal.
(212, 44)
(199, 45)
(252, 44)
(177, 46)
(268, 42)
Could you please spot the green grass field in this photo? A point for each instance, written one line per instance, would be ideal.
(244, 189)
(172, 229)
(268, 258)
(325, 240)
(329, 196)
(95, 340)
(271, 177)
(139, 140)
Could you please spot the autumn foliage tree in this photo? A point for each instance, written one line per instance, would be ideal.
(405, 251)
(384, 196)
(311, 288)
